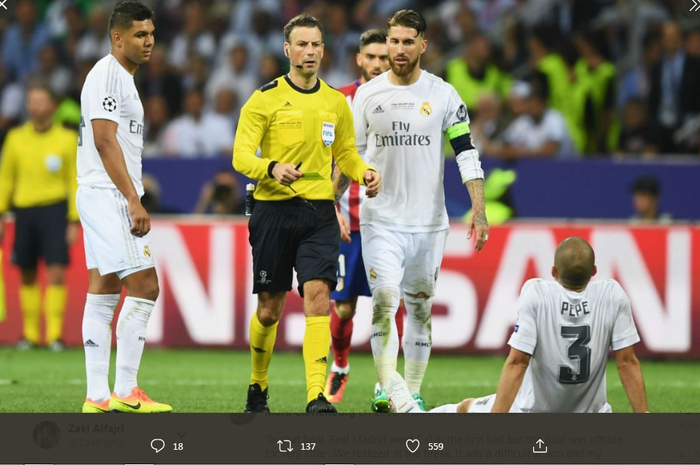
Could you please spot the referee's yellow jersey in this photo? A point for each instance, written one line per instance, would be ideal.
(294, 125)
(38, 168)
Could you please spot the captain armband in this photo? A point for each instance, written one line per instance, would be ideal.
(467, 155)
(460, 137)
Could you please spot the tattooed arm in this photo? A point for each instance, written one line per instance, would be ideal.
(477, 222)
(340, 183)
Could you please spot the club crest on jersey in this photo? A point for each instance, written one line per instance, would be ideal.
(372, 274)
(328, 133)
(426, 110)
(147, 251)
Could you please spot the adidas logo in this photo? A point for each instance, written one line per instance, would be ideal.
(287, 104)
(323, 359)
(377, 110)
(90, 343)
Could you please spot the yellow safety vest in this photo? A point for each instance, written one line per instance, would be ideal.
(594, 83)
(469, 88)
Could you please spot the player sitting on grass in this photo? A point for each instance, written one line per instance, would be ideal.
(560, 344)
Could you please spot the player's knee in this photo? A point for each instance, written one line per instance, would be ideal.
(345, 310)
(150, 290)
(29, 276)
(317, 291)
(268, 316)
(464, 406)
(418, 307)
(56, 275)
(270, 307)
(385, 303)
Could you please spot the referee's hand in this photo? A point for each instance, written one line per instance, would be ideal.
(140, 222)
(286, 173)
(373, 181)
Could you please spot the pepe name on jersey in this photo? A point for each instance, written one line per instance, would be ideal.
(575, 310)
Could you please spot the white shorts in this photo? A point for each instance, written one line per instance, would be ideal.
(409, 261)
(109, 245)
(485, 404)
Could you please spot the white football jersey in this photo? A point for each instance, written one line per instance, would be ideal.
(400, 130)
(109, 93)
(350, 204)
(569, 335)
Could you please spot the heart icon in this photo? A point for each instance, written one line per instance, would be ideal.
(412, 445)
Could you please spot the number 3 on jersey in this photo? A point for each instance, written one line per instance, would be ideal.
(577, 350)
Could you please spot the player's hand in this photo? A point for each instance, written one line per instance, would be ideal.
(477, 224)
(373, 181)
(72, 232)
(344, 228)
(140, 221)
(286, 173)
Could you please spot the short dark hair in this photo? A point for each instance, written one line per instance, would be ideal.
(647, 184)
(302, 20)
(43, 84)
(373, 36)
(128, 11)
(409, 18)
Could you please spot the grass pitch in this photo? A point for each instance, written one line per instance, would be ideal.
(216, 381)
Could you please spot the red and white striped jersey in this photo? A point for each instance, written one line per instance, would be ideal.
(351, 202)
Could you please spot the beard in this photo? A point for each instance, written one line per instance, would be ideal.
(403, 70)
(369, 74)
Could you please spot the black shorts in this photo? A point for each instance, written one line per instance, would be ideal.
(291, 234)
(40, 232)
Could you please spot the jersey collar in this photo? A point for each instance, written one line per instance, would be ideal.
(313, 90)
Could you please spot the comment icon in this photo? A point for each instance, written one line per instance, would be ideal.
(157, 445)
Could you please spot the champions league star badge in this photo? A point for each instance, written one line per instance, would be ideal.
(328, 133)
(462, 112)
(109, 103)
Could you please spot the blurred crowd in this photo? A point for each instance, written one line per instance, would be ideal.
(541, 78)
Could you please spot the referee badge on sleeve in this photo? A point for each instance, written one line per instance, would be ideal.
(328, 133)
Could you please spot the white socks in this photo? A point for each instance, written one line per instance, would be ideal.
(417, 340)
(385, 348)
(401, 399)
(384, 337)
(343, 371)
(97, 339)
(131, 338)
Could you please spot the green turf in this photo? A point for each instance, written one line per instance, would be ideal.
(216, 381)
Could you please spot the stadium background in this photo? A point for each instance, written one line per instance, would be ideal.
(204, 260)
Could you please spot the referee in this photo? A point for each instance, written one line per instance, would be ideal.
(38, 181)
(301, 125)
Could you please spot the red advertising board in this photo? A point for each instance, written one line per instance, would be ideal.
(205, 276)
